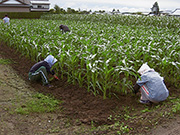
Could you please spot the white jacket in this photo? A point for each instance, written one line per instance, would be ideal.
(155, 85)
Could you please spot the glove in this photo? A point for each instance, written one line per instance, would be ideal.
(56, 77)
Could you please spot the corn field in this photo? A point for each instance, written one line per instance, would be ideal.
(102, 52)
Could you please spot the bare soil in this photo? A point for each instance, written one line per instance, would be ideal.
(171, 127)
(81, 110)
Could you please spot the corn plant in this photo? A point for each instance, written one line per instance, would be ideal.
(102, 52)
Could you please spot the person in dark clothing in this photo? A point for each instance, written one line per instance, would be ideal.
(64, 28)
(40, 70)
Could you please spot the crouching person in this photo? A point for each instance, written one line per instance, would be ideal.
(40, 71)
(151, 86)
(64, 28)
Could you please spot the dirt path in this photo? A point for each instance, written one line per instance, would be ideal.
(13, 92)
(170, 128)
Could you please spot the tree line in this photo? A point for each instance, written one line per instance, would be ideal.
(58, 10)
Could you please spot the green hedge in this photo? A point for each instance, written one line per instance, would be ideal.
(22, 15)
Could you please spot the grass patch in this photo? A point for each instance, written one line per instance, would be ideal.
(5, 61)
(39, 104)
(176, 106)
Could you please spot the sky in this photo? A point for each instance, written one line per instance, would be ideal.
(122, 5)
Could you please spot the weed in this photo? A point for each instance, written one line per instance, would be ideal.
(145, 110)
(39, 103)
(5, 61)
(92, 125)
(123, 129)
(176, 106)
(110, 117)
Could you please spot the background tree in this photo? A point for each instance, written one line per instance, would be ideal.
(69, 10)
(57, 9)
(155, 9)
(101, 11)
(52, 11)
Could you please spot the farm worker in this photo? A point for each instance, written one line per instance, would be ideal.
(40, 70)
(6, 20)
(151, 85)
(64, 28)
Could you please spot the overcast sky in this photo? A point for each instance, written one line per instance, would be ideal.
(122, 5)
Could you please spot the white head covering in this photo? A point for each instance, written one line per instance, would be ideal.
(144, 68)
(50, 60)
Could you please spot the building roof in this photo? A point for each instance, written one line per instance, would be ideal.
(24, 2)
(40, 2)
(40, 5)
(176, 12)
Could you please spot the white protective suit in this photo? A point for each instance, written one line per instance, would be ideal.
(152, 85)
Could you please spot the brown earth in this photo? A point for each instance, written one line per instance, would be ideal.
(171, 127)
(78, 105)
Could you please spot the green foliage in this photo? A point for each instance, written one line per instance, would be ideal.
(22, 15)
(123, 129)
(101, 52)
(119, 126)
(176, 106)
(5, 61)
(151, 22)
(38, 104)
(58, 9)
(145, 110)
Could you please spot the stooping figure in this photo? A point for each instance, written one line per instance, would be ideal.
(64, 28)
(151, 86)
(6, 20)
(40, 71)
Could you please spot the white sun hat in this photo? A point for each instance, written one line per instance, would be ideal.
(144, 68)
(50, 60)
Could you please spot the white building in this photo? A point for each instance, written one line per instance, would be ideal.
(24, 5)
(176, 12)
(40, 5)
(15, 5)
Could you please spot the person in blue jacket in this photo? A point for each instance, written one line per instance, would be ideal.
(151, 86)
(40, 71)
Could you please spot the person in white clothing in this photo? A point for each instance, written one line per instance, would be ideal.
(151, 85)
(6, 20)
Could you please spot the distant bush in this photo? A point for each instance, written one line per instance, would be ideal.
(22, 15)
